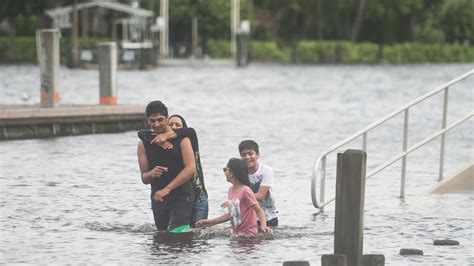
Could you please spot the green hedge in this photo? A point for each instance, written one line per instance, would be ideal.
(269, 52)
(423, 53)
(308, 52)
(24, 50)
(316, 52)
(260, 51)
(218, 48)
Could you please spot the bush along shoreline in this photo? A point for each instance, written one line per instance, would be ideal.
(304, 52)
(24, 49)
(331, 52)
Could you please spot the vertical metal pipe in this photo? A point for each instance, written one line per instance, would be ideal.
(73, 59)
(364, 142)
(443, 136)
(38, 45)
(323, 182)
(125, 31)
(234, 25)
(194, 36)
(404, 158)
(167, 42)
(232, 19)
(164, 33)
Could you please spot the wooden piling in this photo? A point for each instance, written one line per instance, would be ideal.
(445, 242)
(333, 260)
(350, 192)
(49, 67)
(411, 251)
(108, 73)
(296, 263)
(242, 49)
(373, 260)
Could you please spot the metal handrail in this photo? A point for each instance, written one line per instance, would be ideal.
(321, 161)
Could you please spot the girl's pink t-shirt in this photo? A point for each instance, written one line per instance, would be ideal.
(248, 217)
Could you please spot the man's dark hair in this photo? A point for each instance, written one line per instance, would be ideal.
(156, 107)
(238, 168)
(248, 145)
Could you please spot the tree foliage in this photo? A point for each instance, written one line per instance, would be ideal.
(290, 21)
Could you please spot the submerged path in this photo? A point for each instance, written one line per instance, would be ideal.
(461, 182)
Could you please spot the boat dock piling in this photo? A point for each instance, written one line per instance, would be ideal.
(349, 218)
(108, 73)
(49, 67)
(49, 119)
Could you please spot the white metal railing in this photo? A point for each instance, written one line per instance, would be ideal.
(321, 161)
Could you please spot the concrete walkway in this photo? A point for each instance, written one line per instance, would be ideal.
(27, 122)
(10, 113)
(198, 62)
(461, 182)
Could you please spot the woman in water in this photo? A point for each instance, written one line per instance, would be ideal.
(243, 206)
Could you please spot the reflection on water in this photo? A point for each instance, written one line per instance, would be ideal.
(131, 228)
(80, 199)
(244, 246)
(165, 243)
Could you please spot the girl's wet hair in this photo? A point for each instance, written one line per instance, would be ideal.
(239, 169)
(182, 120)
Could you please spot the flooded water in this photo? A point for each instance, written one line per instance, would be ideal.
(80, 199)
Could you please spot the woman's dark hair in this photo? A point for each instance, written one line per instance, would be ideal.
(182, 120)
(239, 169)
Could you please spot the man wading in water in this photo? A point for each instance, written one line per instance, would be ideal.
(168, 171)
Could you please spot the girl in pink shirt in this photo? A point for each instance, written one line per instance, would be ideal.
(243, 206)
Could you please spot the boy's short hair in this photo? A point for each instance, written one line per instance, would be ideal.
(156, 107)
(248, 145)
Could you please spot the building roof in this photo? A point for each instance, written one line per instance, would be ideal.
(139, 12)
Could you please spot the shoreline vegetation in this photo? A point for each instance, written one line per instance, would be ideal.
(303, 52)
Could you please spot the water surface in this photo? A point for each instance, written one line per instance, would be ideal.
(80, 199)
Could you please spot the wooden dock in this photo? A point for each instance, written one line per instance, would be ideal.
(28, 122)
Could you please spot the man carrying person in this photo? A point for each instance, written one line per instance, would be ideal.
(168, 171)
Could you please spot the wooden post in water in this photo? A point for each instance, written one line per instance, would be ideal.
(108, 73)
(333, 260)
(234, 25)
(242, 36)
(194, 37)
(296, 263)
(49, 67)
(73, 59)
(350, 191)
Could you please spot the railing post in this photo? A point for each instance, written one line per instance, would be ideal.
(443, 135)
(404, 149)
(364, 142)
(323, 182)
